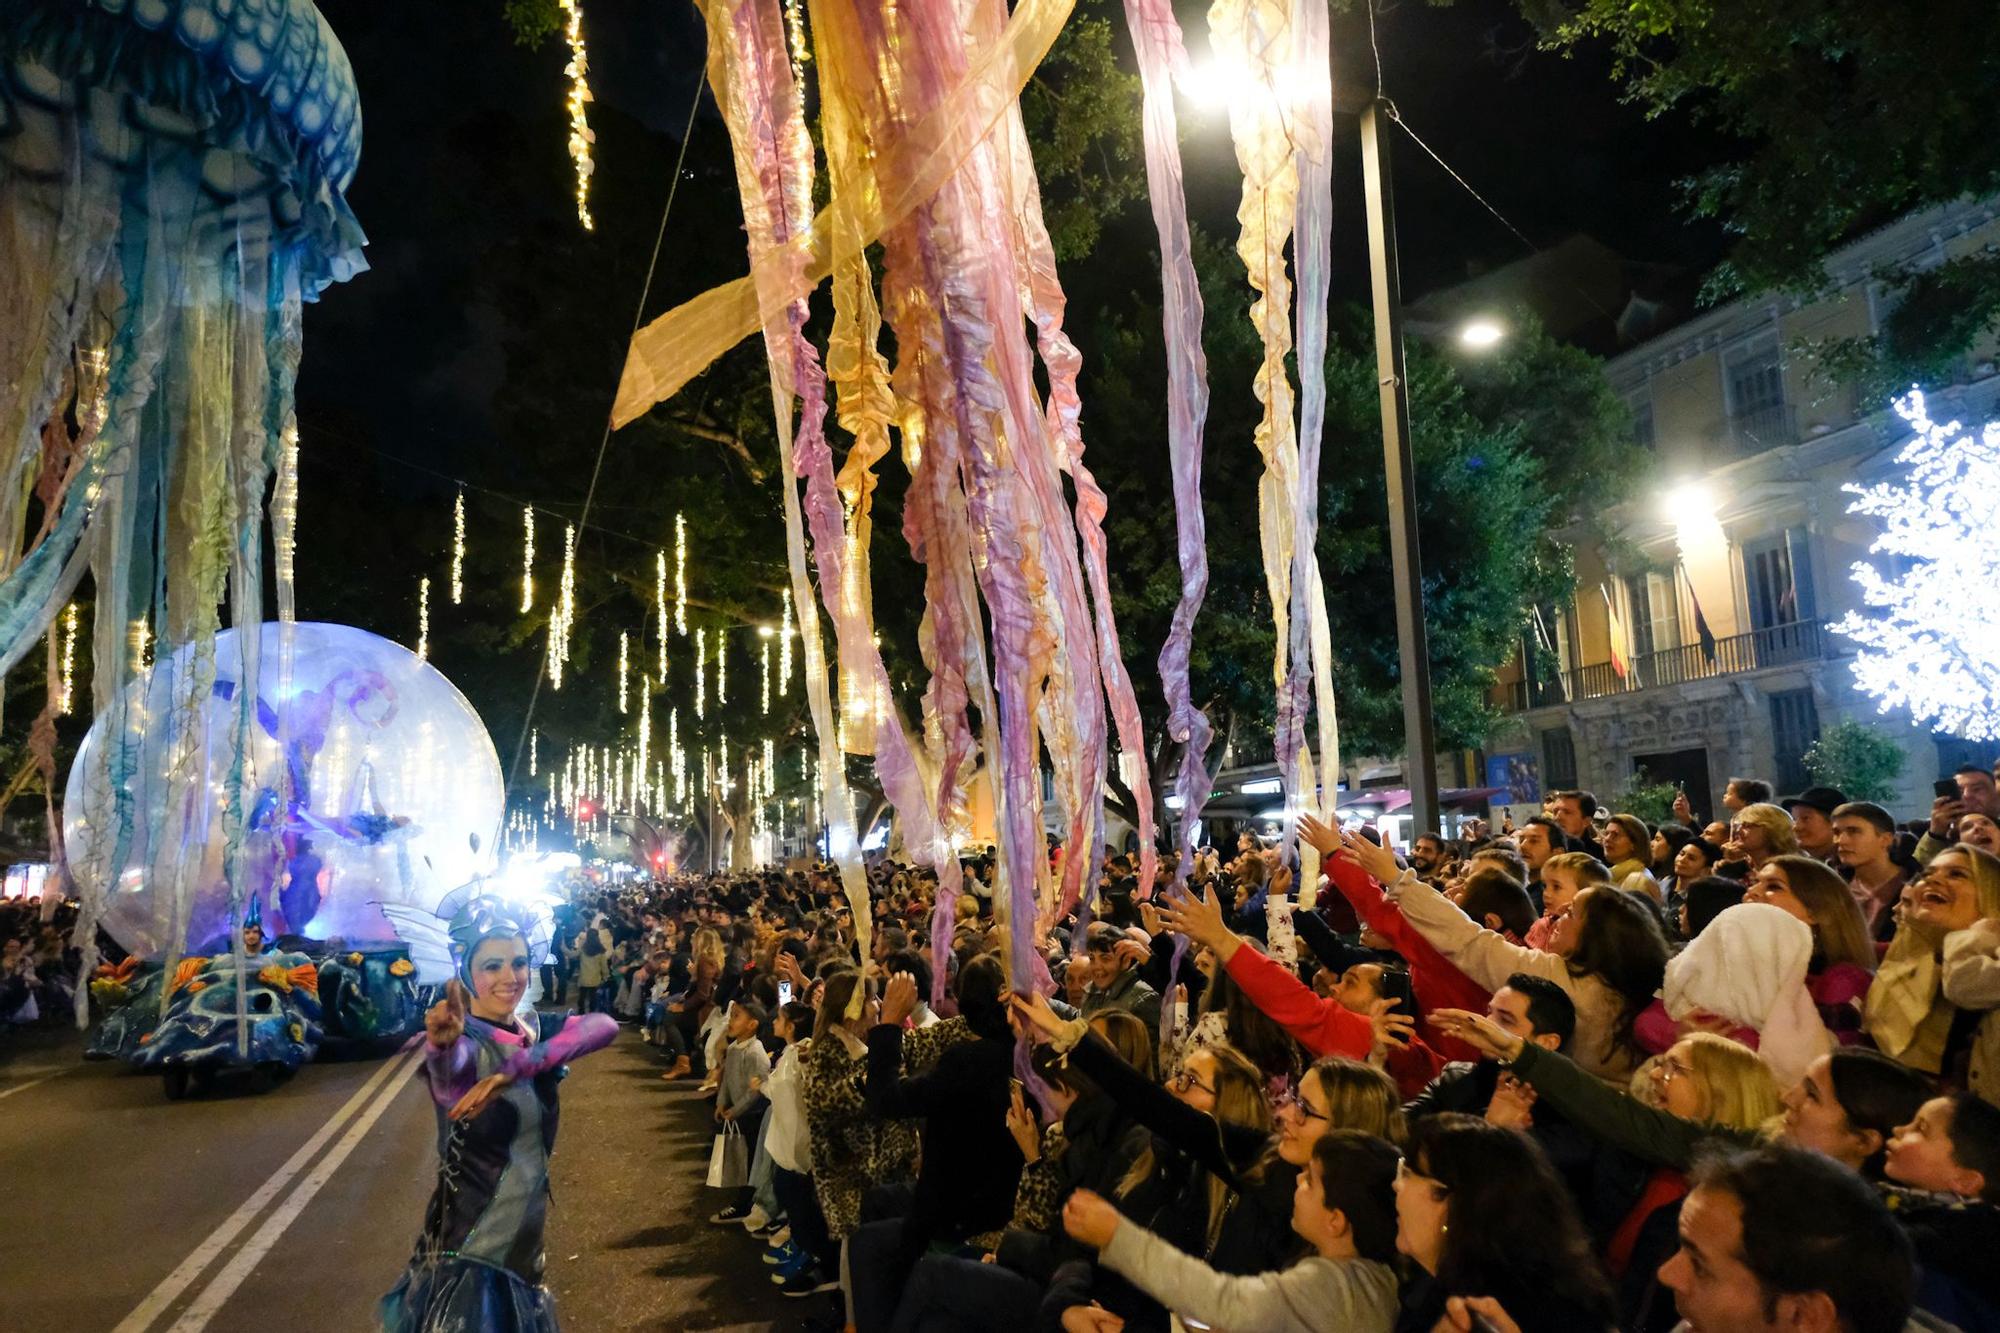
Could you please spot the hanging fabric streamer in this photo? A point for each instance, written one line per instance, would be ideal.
(1156, 38)
(172, 187)
(1310, 646)
(938, 169)
(1280, 117)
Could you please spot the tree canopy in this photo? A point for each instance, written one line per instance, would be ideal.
(1847, 113)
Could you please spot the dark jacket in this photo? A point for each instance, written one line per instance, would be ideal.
(970, 1165)
(1466, 1088)
(1956, 1241)
(1130, 993)
(1534, 1308)
(1100, 1143)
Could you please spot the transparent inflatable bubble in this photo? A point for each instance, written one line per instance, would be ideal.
(366, 778)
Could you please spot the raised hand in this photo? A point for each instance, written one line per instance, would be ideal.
(1378, 861)
(1021, 1124)
(899, 998)
(444, 1022)
(1035, 1014)
(1320, 837)
(1393, 1030)
(1512, 1105)
(1089, 1220)
(1477, 1031)
(1199, 917)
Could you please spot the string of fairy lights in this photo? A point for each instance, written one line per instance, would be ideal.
(591, 783)
(577, 101)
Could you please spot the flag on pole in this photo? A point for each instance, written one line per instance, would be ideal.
(1703, 633)
(1617, 631)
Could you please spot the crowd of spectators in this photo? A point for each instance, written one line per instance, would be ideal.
(38, 964)
(1583, 1074)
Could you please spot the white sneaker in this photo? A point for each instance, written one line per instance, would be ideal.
(756, 1220)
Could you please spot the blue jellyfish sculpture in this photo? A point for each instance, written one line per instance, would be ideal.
(172, 188)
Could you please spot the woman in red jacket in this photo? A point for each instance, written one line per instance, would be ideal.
(1357, 1021)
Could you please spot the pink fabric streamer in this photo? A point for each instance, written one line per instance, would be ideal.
(953, 270)
(781, 151)
(986, 513)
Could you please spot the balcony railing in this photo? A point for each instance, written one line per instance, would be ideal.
(1764, 428)
(1780, 645)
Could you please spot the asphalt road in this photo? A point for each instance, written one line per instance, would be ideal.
(296, 1207)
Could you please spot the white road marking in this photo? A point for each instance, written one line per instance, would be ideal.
(31, 1083)
(192, 1267)
(245, 1260)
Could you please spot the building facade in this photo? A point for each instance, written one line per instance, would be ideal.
(1744, 532)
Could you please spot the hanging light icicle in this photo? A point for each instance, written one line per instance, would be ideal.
(767, 675)
(795, 42)
(535, 751)
(721, 666)
(701, 672)
(458, 549)
(580, 137)
(680, 574)
(527, 559)
(676, 757)
(645, 731)
(68, 660)
(424, 619)
(562, 617)
(624, 667)
(660, 607)
(785, 632)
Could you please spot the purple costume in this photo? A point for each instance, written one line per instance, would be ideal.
(478, 1263)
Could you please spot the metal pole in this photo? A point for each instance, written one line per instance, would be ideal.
(1419, 742)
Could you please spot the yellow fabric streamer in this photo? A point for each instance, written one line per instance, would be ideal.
(680, 344)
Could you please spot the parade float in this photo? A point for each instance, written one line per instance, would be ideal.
(257, 873)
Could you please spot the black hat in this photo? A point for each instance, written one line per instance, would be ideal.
(1823, 799)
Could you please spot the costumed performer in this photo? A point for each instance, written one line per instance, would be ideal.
(478, 1263)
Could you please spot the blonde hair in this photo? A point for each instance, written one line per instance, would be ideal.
(708, 945)
(1126, 1033)
(1839, 933)
(1776, 826)
(1587, 869)
(1985, 876)
(1239, 1100)
(1738, 1090)
(1360, 1097)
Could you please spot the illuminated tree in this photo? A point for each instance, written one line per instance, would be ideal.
(1931, 635)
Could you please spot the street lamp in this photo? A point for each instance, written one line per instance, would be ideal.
(1480, 334)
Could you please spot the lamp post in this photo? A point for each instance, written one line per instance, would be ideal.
(1399, 471)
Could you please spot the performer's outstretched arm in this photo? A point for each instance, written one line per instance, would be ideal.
(580, 1035)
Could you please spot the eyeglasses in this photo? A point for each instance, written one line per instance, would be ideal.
(1186, 1079)
(1667, 1069)
(1294, 1102)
